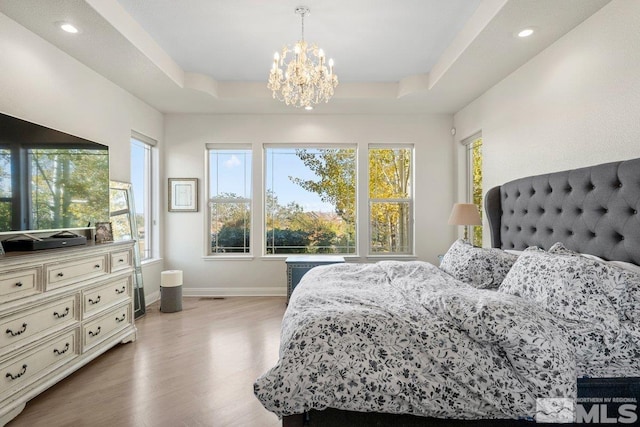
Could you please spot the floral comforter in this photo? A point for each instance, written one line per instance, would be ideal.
(405, 337)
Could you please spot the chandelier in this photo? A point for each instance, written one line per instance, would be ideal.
(305, 79)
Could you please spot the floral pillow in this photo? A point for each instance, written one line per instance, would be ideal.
(571, 288)
(482, 268)
(621, 287)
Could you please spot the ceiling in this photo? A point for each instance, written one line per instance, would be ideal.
(214, 56)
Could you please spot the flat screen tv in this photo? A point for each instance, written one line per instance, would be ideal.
(49, 179)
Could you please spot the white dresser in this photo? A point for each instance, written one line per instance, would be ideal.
(59, 309)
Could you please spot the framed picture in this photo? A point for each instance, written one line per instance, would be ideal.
(104, 233)
(183, 194)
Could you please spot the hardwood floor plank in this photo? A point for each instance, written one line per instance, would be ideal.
(191, 368)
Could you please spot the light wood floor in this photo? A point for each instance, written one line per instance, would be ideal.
(191, 368)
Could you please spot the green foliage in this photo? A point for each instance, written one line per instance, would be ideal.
(287, 241)
(232, 239)
(336, 184)
(476, 190)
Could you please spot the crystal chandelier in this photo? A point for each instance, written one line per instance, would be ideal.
(305, 79)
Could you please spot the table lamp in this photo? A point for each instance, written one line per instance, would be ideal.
(465, 214)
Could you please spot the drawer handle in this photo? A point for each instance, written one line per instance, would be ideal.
(13, 334)
(121, 260)
(19, 374)
(19, 284)
(121, 290)
(63, 351)
(121, 319)
(97, 300)
(60, 316)
(97, 266)
(93, 334)
(60, 274)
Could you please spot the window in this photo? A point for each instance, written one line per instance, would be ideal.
(6, 192)
(390, 200)
(474, 178)
(310, 199)
(229, 199)
(141, 180)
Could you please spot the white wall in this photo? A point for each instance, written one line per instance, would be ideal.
(575, 104)
(42, 84)
(186, 136)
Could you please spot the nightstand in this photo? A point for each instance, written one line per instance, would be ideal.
(297, 266)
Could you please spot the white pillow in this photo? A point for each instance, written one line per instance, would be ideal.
(569, 287)
(623, 286)
(482, 268)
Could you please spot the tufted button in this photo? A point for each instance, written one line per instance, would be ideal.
(519, 228)
(559, 210)
(619, 185)
(621, 237)
(533, 229)
(579, 211)
(525, 211)
(570, 233)
(635, 212)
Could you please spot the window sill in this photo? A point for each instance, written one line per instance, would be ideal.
(151, 261)
(228, 258)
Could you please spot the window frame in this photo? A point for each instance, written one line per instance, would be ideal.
(469, 145)
(293, 146)
(246, 147)
(148, 199)
(410, 200)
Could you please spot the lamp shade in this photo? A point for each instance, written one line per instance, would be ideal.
(465, 214)
(171, 278)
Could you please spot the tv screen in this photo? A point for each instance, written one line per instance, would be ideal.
(50, 179)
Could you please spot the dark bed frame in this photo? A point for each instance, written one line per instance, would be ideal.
(592, 210)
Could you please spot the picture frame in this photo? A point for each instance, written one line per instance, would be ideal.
(104, 232)
(183, 194)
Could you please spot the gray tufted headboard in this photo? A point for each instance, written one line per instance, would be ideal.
(591, 210)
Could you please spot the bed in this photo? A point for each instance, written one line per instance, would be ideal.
(411, 344)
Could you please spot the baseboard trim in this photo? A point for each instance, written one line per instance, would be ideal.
(151, 298)
(276, 291)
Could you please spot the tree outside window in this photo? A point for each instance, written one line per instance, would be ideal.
(390, 200)
(475, 184)
(310, 200)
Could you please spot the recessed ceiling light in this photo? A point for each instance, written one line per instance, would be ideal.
(308, 108)
(69, 28)
(526, 32)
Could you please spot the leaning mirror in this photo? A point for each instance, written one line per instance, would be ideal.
(124, 227)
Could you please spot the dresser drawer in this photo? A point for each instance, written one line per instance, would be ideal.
(103, 327)
(66, 273)
(23, 369)
(121, 260)
(96, 299)
(21, 326)
(19, 283)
